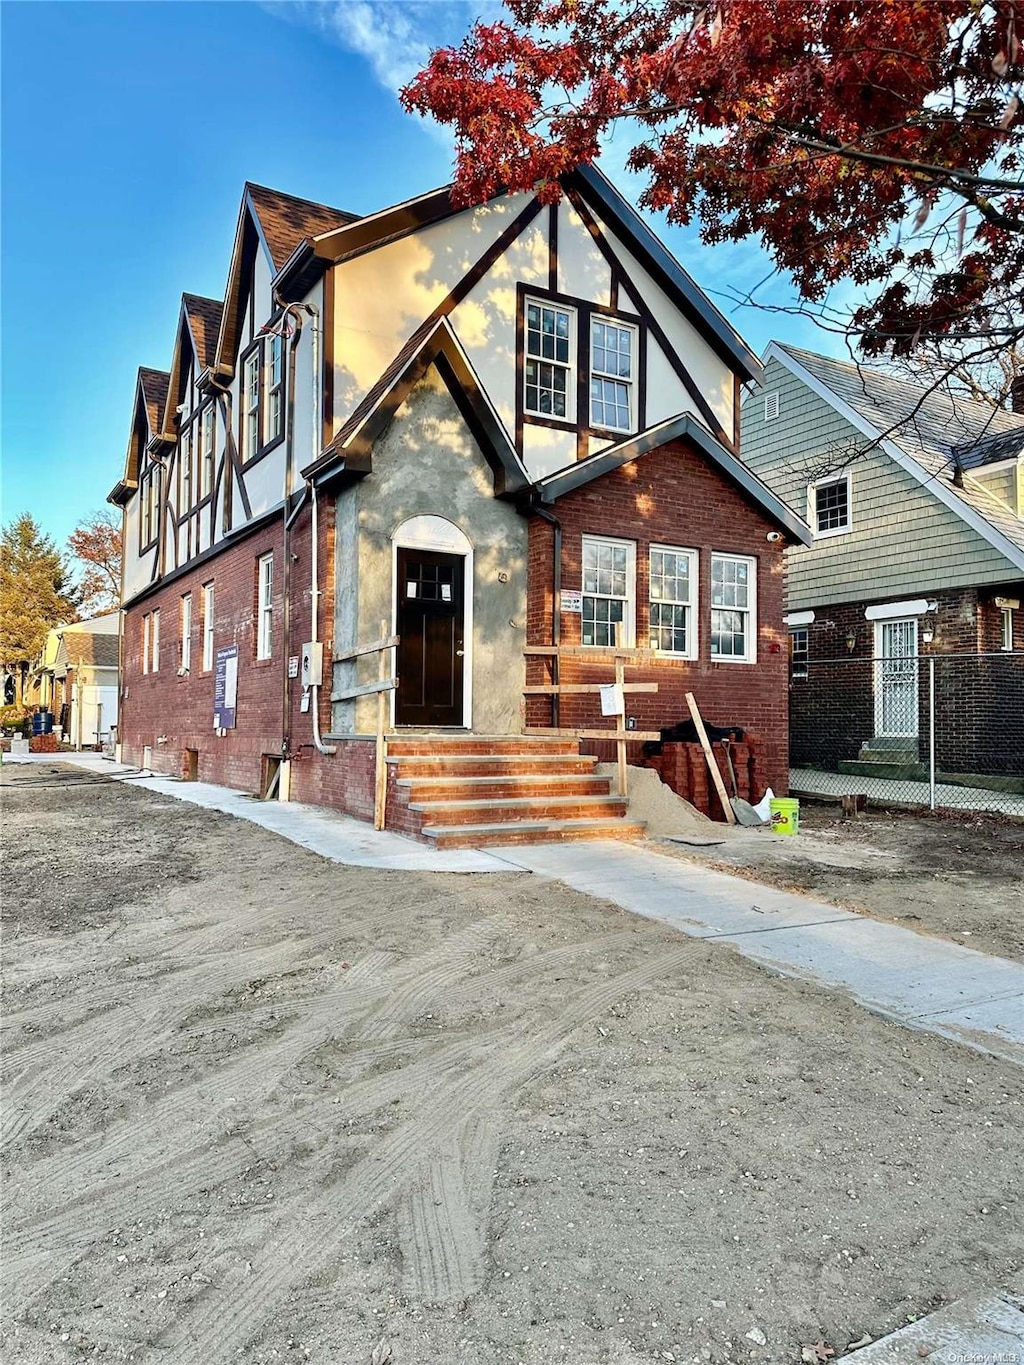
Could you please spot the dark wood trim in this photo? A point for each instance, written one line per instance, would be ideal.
(655, 328)
(613, 290)
(238, 537)
(553, 247)
(520, 364)
(476, 273)
(737, 394)
(327, 359)
(556, 424)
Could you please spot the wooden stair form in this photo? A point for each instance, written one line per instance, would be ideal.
(475, 790)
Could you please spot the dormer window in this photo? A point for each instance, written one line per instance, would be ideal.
(275, 370)
(550, 361)
(251, 405)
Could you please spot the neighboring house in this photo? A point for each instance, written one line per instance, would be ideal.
(76, 678)
(916, 503)
(488, 428)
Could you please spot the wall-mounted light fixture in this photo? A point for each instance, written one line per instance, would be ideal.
(851, 641)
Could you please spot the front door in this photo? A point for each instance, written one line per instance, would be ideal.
(896, 679)
(431, 592)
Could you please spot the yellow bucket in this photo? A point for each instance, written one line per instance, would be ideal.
(785, 811)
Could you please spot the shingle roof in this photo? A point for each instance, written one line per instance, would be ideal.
(204, 318)
(154, 390)
(935, 430)
(82, 648)
(286, 221)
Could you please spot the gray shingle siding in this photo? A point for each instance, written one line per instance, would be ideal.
(903, 542)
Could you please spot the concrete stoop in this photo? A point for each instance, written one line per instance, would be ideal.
(473, 791)
(987, 1329)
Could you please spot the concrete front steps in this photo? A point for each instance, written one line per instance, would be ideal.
(475, 791)
(882, 756)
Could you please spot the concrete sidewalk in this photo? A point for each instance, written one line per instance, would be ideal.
(917, 979)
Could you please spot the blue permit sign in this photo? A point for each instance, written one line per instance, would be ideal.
(225, 688)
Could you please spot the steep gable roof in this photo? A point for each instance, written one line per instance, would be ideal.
(433, 343)
(204, 317)
(378, 229)
(924, 432)
(277, 224)
(556, 485)
(147, 414)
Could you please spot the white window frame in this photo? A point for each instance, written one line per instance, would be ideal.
(273, 423)
(154, 640)
(630, 384)
(805, 653)
(145, 642)
(1006, 629)
(691, 605)
(185, 661)
(208, 627)
(206, 455)
(570, 366)
(749, 656)
(265, 606)
(812, 505)
(252, 388)
(629, 610)
(185, 457)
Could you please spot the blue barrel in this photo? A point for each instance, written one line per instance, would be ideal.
(42, 723)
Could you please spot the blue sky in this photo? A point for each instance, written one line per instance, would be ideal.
(128, 130)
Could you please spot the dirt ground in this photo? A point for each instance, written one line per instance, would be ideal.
(264, 1109)
(960, 876)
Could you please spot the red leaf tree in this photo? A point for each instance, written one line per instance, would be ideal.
(876, 141)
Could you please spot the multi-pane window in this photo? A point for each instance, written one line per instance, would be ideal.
(549, 360)
(609, 579)
(186, 470)
(186, 632)
(205, 458)
(149, 502)
(207, 627)
(673, 592)
(799, 651)
(612, 370)
(251, 405)
(265, 607)
(733, 623)
(275, 373)
(830, 505)
(145, 642)
(154, 660)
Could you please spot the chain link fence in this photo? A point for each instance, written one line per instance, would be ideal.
(938, 731)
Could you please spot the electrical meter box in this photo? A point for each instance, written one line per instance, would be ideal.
(312, 664)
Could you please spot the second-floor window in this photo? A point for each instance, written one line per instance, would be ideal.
(265, 606)
(275, 375)
(185, 456)
(251, 405)
(149, 504)
(612, 375)
(205, 455)
(829, 505)
(549, 361)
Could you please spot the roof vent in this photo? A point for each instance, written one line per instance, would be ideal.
(771, 406)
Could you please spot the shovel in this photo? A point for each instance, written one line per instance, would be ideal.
(743, 810)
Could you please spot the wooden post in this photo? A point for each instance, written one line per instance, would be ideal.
(620, 721)
(380, 794)
(716, 776)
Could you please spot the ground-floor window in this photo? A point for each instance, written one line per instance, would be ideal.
(673, 597)
(609, 590)
(733, 604)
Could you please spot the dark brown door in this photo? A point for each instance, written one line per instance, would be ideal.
(431, 590)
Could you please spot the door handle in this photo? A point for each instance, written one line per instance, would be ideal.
(459, 653)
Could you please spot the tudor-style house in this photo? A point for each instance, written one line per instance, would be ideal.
(492, 429)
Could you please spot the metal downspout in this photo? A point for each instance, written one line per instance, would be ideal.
(286, 710)
(314, 599)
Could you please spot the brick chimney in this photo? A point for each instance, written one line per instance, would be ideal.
(1017, 394)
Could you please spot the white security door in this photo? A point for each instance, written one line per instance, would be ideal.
(896, 678)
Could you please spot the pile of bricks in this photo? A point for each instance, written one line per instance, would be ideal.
(684, 768)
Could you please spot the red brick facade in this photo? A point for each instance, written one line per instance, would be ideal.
(672, 496)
